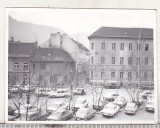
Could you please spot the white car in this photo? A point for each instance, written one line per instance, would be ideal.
(56, 106)
(131, 108)
(110, 110)
(60, 93)
(120, 101)
(79, 91)
(85, 114)
(43, 92)
(150, 106)
(145, 94)
(110, 96)
(79, 103)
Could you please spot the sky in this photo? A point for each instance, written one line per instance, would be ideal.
(85, 21)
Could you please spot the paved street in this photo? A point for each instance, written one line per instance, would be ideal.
(139, 116)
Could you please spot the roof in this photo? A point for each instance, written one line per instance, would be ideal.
(123, 32)
(19, 49)
(81, 46)
(51, 54)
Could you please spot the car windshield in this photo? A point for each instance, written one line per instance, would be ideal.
(130, 105)
(109, 107)
(82, 112)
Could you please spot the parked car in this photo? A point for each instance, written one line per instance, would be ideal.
(13, 117)
(131, 108)
(110, 96)
(145, 93)
(79, 91)
(13, 89)
(100, 105)
(85, 114)
(43, 92)
(31, 110)
(150, 106)
(112, 85)
(11, 110)
(120, 101)
(27, 88)
(60, 115)
(55, 106)
(60, 93)
(79, 103)
(110, 110)
(40, 117)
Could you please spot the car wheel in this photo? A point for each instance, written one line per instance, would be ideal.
(53, 96)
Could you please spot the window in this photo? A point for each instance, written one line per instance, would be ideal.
(103, 45)
(121, 60)
(146, 47)
(146, 61)
(26, 66)
(102, 60)
(129, 75)
(130, 46)
(91, 74)
(138, 61)
(92, 60)
(43, 66)
(16, 65)
(34, 66)
(112, 75)
(145, 75)
(138, 47)
(102, 75)
(92, 46)
(129, 60)
(25, 79)
(51, 78)
(113, 46)
(121, 75)
(122, 46)
(113, 60)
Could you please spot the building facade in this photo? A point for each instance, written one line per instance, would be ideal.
(77, 51)
(52, 66)
(122, 56)
(19, 55)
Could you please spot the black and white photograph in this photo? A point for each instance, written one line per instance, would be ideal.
(81, 65)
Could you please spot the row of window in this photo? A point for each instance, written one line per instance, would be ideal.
(130, 47)
(17, 65)
(121, 75)
(146, 62)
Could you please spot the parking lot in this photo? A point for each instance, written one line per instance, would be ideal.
(141, 114)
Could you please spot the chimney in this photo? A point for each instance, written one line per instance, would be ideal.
(36, 44)
(12, 39)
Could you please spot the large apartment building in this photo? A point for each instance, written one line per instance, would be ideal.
(122, 56)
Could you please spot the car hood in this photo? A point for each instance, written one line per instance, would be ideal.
(80, 115)
(108, 111)
(53, 117)
(150, 106)
(52, 108)
(79, 105)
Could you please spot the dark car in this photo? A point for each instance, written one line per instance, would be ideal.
(60, 115)
(11, 110)
(79, 91)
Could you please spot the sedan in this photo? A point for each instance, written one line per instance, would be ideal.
(60, 115)
(85, 114)
(79, 91)
(131, 108)
(56, 106)
(99, 105)
(145, 94)
(80, 103)
(110, 96)
(150, 106)
(110, 110)
(120, 101)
